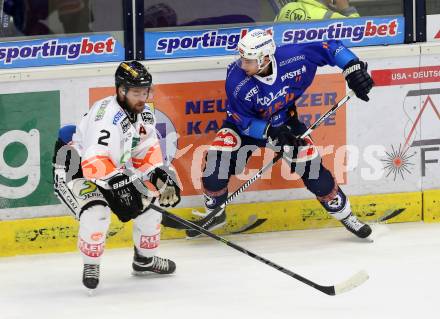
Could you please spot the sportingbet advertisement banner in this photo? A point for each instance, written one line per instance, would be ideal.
(210, 42)
(190, 114)
(29, 125)
(59, 51)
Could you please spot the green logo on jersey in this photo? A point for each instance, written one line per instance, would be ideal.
(134, 142)
(89, 187)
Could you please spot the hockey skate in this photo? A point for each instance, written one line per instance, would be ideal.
(145, 265)
(210, 224)
(91, 276)
(354, 225)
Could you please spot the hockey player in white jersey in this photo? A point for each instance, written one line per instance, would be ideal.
(102, 166)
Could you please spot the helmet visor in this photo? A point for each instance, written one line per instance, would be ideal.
(244, 63)
(140, 92)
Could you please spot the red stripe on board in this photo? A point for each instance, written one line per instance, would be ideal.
(406, 76)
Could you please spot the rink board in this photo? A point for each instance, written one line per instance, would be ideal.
(431, 206)
(59, 234)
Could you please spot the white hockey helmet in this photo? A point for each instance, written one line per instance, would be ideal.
(255, 45)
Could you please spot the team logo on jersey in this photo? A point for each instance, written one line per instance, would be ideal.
(294, 74)
(101, 110)
(88, 188)
(268, 100)
(135, 142)
(226, 140)
(117, 117)
(293, 59)
(125, 125)
(339, 50)
(240, 85)
(251, 93)
(147, 118)
(85, 190)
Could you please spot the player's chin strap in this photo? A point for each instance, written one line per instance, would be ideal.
(279, 155)
(261, 69)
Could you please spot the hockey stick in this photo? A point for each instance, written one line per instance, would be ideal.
(347, 285)
(279, 155)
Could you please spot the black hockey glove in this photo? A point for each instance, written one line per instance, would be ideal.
(165, 180)
(283, 136)
(358, 79)
(126, 201)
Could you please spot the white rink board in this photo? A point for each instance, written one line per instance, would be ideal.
(430, 121)
(378, 125)
(433, 27)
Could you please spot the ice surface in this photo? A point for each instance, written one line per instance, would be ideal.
(215, 281)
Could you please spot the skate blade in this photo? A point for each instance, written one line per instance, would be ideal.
(150, 274)
(90, 292)
(141, 273)
(378, 231)
(212, 229)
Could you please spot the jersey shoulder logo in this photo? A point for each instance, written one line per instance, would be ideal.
(117, 117)
(147, 118)
(101, 111)
(125, 125)
(251, 93)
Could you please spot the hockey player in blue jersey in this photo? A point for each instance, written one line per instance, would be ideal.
(262, 87)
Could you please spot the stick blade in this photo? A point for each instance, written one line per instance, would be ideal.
(389, 214)
(352, 282)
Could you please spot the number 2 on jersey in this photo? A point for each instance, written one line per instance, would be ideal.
(104, 137)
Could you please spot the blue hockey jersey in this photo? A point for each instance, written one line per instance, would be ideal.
(255, 101)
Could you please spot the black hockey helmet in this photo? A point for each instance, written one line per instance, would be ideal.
(132, 74)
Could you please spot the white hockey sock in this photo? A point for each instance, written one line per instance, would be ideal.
(93, 226)
(146, 233)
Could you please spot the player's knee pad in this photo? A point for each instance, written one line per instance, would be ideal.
(146, 232)
(93, 225)
(226, 140)
(78, 194)
(336, 203)
(221, 157)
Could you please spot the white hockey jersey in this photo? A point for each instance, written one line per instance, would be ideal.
(108, 142)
